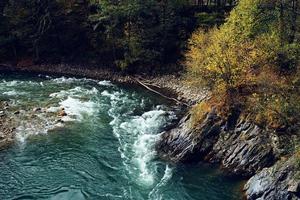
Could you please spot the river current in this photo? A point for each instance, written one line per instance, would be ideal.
(79, 138)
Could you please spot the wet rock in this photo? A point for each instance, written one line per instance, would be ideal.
(186, 144)
(280, 182)
(37, 109)
(62, 113)
(241, 148)
(60, 121)
(16, 112)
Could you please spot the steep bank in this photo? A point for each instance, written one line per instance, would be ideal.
(242, 148)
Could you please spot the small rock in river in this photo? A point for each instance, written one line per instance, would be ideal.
(60, 121)
(62, 113)
(36, 109)
(17, 112)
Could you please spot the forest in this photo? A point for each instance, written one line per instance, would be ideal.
(245, 54)
(132, 35)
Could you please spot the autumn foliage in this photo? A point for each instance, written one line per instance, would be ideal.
(251, 61)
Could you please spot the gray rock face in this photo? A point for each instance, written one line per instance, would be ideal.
(280, 182)
(184, 144)
(243, 149)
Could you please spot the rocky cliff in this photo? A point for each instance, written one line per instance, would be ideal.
(242, 148)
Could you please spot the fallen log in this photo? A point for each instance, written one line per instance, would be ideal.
(156, 92)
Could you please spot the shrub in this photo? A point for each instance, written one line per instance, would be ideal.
(250, 62)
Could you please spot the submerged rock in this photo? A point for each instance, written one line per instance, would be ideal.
(2, 114)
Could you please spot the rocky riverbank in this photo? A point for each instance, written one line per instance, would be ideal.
(242, 149)
(171, 85)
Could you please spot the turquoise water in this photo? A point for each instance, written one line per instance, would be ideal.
(102, 149)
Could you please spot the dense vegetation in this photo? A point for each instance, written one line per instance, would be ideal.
(251, 62)
(139, 36)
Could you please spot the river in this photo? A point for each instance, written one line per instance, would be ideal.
(100, 146)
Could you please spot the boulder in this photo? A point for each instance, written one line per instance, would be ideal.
(279, 182)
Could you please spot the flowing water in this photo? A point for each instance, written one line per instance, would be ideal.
(102, 149)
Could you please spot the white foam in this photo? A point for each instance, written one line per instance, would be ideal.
(64, 80)
(11, 83)
(53, 109)
(138, 152)
(155, 192)
(14, 93)
(74, 92)
(70, 80)
(113, 96)
(77, 109)
(144, 154)
(40, 125)
(105, 83)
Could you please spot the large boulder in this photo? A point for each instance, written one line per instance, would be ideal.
(279, 182)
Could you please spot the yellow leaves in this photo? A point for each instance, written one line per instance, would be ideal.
(242, 56)
(198, 112)
(217, 60)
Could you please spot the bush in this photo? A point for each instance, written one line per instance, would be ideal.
(249, 62)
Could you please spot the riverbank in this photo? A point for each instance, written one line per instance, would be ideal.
(171, 85)
(242, 148)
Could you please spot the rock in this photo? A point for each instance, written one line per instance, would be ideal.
(294, 186)
(17, 112)
(186, 144)
(60, 121)
(62, 113)
(36, 109)
(242, 148)
(278, 182)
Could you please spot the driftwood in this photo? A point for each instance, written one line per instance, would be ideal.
(145, 85)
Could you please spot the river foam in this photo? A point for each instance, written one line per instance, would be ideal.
(81, 101)
(139, 153)
(85, 139)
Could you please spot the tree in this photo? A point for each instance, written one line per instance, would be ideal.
(143, 35)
